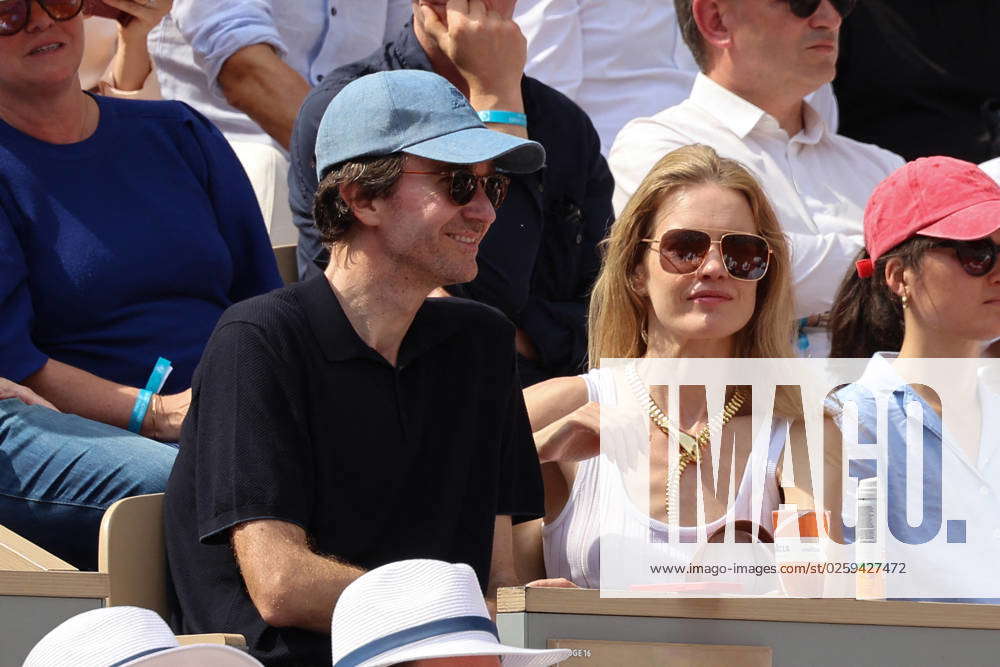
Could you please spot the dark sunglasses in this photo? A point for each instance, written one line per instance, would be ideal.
(806, 8)
(15, 14)
(746, 256)
(464, 183)
(976, 257)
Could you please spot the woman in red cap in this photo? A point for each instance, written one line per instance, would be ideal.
(924, 295)
(926, 283)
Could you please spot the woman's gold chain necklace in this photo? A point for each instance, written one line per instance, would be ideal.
(691, 446)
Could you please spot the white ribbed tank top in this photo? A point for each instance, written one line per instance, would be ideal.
(571, 543)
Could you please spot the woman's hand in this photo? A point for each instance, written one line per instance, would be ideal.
(131, 65)
(551, 583)
(166, 415)
(146, 14)
(575, 437)
(10, 389)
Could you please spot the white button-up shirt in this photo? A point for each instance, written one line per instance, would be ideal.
(817, 181)
(617, 59)
(313, 37)
(970, 489)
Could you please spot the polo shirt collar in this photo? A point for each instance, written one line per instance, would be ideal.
(740, 116)
(340, 342)
(407, 50)
(337, 337)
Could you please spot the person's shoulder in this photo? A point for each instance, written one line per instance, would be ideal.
(886, 160)
(273, 312)
(549, 99)
(680, 124)
(467, 315)
(163, 110)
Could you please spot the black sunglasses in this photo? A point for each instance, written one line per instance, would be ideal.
(806, 8)
(15, 14)
(976, 257)
(464, 183)
(682, 251)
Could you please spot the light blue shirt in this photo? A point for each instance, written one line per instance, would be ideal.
(952, 550)
(313, 37)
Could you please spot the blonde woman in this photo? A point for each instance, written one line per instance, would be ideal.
(696, 266)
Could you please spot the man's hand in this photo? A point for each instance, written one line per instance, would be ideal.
(575, 437)
(486, 47)
(10, 389)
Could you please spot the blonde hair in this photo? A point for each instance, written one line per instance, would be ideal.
(617, 312)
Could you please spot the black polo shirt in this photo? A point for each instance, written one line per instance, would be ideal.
(539, 260)
(295, 418)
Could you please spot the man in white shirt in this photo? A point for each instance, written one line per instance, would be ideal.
(758, 61)
(248, 65)
(618, 59)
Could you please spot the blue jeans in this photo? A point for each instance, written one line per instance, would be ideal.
(59, 472)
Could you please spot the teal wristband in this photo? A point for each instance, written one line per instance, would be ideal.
(153, 386)
(504, 117)
(139, 410)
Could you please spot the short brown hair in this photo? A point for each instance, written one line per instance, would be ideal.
(691, 34)
(375, 176)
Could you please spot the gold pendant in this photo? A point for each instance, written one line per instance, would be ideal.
(687, 442)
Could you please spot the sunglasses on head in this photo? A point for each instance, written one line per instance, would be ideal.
(682, 251)
(15, 14)
(977, 257)
(462, 187)
(806, 8)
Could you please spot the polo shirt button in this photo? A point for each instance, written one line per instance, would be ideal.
(996, 534)
(984, 491)
(333, 11)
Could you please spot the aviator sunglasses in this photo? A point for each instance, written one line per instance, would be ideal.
(15, 14)
(977, 257)
(464, 183)
(682, 251)
(806, 8)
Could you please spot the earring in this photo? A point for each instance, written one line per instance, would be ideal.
(904, 300)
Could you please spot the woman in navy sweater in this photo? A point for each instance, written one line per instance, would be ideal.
(126, 228)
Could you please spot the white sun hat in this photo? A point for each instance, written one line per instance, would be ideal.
(120, 636)
(418, 609)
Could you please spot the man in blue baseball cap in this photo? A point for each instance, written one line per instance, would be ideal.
(539, 261)
(348, 421)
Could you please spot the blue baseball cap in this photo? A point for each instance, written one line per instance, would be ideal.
(419, 113)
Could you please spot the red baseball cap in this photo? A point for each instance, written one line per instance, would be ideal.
(932, 196)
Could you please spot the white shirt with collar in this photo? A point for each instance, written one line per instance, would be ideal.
(817, 181)
(617, 59)
(970, 490)
(191, 44)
